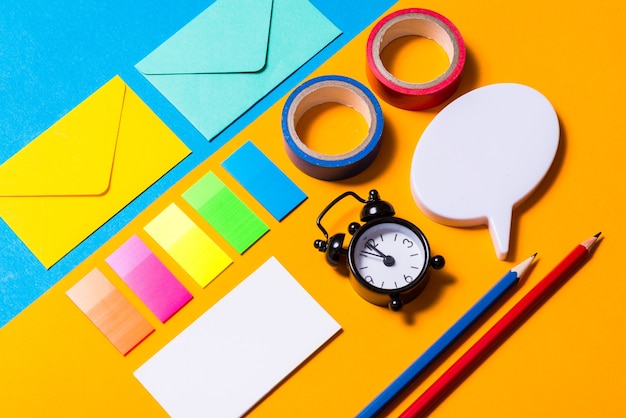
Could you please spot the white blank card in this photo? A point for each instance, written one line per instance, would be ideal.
(236, 352)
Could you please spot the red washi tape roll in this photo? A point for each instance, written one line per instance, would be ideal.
(416, 22)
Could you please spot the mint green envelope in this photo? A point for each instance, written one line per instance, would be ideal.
(233, 54)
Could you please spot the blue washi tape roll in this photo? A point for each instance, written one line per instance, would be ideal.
(332, 89)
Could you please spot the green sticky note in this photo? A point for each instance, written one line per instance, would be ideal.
(225, 212)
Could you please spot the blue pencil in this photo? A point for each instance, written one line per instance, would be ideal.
(446, 340)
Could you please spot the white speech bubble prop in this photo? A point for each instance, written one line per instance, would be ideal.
(482, 155)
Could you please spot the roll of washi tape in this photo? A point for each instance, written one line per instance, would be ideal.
(332, 89)
(415, 22)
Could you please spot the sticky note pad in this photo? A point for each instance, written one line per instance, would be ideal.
(241, 348)
(110, 311)
(264, 180)
(148, 277)
(188, 245)
(225, 212)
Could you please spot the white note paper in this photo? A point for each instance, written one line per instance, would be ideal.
(241, 348)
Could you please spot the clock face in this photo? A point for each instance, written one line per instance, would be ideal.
(389, 254)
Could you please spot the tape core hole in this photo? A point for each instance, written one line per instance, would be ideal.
(415, 25)
(333, 98)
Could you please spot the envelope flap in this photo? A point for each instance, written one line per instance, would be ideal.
(72, 157)
(230, 36)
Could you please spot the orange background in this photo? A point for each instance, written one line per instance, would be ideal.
(566, 360)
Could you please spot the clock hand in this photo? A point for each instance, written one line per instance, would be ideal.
(374, 248)
(387, 259)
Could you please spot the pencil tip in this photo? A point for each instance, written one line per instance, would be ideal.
(521, 268)
(589, 243)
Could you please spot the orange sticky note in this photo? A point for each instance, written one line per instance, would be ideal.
(110, 311)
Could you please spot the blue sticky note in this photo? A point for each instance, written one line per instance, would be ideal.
(264, 180)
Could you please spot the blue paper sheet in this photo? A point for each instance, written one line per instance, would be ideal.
(55, 53)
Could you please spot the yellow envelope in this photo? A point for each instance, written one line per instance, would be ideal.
(84, 169)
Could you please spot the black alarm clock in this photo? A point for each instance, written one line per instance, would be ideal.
(389, 257)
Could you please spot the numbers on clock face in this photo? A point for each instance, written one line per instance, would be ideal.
(389, 255)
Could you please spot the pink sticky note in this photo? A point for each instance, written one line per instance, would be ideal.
(149, 278)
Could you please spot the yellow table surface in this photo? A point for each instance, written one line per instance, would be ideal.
(566, 360)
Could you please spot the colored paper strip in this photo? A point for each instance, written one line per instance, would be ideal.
(241, 348)
(188, 245)
(264, 180)
(110, 311)
(149, 278)
(225, 212)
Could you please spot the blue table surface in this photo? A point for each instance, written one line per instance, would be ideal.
(55, 53)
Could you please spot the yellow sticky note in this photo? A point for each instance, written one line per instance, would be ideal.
(85, 168)
(188, 245)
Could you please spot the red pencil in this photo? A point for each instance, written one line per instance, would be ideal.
(499, 331)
